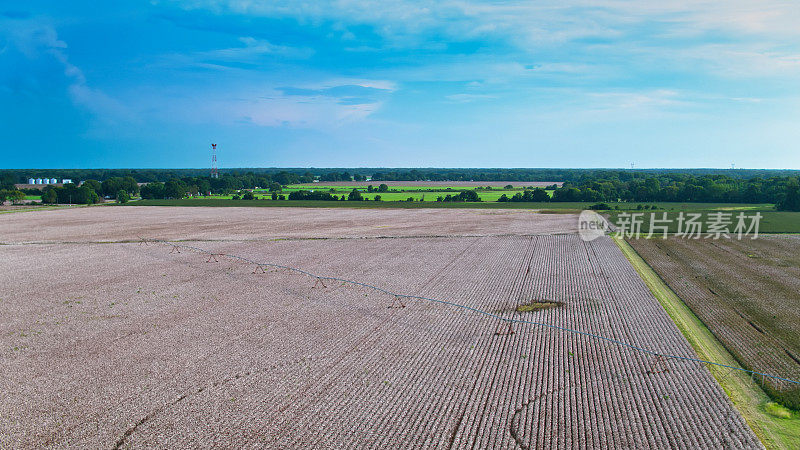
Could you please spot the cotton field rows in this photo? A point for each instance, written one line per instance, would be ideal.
(133, 346)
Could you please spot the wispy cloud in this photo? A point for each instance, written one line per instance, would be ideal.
(348, 94)
(405, 76)
(533, 27)
(34, 49)
(468, 98)
(249, 55)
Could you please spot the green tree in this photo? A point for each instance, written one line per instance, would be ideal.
(567, 194)
(93, 185)
(49, 195)
(468, 196)
(174, 189)
(109, 187)
(248, 196)
(130, 185)
(152, 190)
(7, 182)
(87, 196)
(791, 197)
(354, 195)
(203, 187)
(539, 195)
(11, 195)
(383, 188)
(122, 196)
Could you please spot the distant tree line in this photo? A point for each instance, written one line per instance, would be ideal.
(528, 195)
(306, 175)
(92, 191)
(564, 175)
(586, 185)
(463, 196)
(676, 187)
(782, 191)
(11, 195)
(354, 195)
(791, 199)
(225, 184)
(342, 176)
(71, 193)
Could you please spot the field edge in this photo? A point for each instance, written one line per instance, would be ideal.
(749, 399)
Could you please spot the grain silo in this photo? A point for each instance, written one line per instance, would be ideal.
(38, 181)
(31, 180)
(53, 181)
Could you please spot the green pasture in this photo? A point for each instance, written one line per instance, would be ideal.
(402, 193)
(375, 185)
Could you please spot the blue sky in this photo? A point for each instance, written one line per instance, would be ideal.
(354, 83)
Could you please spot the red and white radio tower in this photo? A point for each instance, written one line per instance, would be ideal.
(214, 172)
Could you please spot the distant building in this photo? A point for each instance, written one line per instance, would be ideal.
(53, 181)
(31, 180)
(66, 181)
(38, 181)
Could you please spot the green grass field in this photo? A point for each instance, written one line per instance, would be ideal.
(400, 188)
(402, 193)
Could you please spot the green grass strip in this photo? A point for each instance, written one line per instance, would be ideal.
(776, 426)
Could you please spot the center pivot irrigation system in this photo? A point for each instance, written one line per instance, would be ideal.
(399, 301)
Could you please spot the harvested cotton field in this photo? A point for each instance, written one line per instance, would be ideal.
(123, 344)
(111, 223)
(747, 292)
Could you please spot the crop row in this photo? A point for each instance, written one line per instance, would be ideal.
(431, 375)
(746, 292)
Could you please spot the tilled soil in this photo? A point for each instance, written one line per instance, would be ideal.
(130, 345)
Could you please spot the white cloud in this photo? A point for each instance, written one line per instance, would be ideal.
(630, 26)
(468, 98)
(42, 49)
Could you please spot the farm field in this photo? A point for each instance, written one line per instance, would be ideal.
(28, 207)
(130, 345)
(262, 202)
(400, 192)
(129, 223)
(746, 292)
(628, 207)
(431, 184)
(416, 194)
(772, 221)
